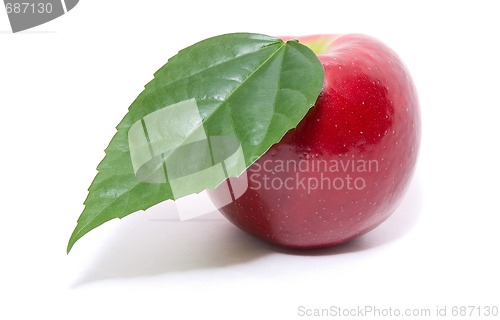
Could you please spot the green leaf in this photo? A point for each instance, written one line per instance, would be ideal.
(246, 90)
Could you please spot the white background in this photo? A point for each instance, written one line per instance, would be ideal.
(66, 84)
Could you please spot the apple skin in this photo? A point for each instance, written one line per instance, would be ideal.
(368, 110)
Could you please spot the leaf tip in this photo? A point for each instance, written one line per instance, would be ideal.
(71, 242)
(75, 236)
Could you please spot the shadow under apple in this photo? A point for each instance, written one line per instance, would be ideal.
(153, 243)
(156, 242)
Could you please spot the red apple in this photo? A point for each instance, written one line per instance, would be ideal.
(345, 168)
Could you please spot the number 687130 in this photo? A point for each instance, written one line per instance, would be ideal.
(26, 7)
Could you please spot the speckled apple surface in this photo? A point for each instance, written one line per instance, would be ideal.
(345, 168)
